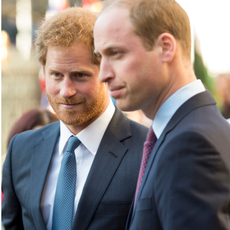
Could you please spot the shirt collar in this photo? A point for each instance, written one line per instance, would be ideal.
(90, 136)
(171, 105)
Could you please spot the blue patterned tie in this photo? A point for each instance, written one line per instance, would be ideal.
(63, 210)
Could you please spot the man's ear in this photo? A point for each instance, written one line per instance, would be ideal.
(168, 46)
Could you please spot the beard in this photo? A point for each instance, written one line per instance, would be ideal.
(86, 110)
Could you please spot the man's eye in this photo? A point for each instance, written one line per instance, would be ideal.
(81, 74)
(57, 74)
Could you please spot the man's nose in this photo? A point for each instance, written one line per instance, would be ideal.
(68, 88)
(106, 71)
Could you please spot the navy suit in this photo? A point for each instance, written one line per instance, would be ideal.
(186, 185)
(109, 188)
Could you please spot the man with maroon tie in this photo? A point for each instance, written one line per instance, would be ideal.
(145, 52)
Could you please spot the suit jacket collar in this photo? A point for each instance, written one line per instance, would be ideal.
(41, 159)
(199, 100)
(108, 157)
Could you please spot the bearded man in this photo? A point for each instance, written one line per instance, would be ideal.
(80, 172)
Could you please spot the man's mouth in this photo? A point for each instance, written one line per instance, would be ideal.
(115, 91)
(70, 105)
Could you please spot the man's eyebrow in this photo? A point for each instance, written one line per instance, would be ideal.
(53, 70)
(107, 49)
(81, 69)
(75, 70)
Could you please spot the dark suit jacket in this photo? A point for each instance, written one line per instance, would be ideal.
(109, 189)
(186, 185)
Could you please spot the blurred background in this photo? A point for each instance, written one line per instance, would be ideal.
(23, 86)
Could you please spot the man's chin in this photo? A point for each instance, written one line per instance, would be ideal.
(124, 106)
(72, 121)
(75, 120)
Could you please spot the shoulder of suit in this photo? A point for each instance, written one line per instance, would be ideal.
(29, 135)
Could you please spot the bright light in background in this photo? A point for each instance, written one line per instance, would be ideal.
(24, 26)
(97, 7)
(4, 45)
(56, 5)
(210, 20)
(94, 5)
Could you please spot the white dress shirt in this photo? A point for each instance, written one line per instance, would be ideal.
(90, 138)
(172, 104)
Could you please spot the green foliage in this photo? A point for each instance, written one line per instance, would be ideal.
(201, 71)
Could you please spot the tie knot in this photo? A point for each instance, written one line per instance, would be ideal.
(151, 137)
(73, 143)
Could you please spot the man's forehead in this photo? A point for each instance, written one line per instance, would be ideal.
(112, 29)
(112, 15)
(112, 22)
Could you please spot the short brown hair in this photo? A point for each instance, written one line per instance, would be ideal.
(67, 27)
(150, 18)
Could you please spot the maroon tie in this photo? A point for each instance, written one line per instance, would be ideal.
(148, 146)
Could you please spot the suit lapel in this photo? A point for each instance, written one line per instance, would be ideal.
(42, 155)
(199, 100)
(108, 158)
